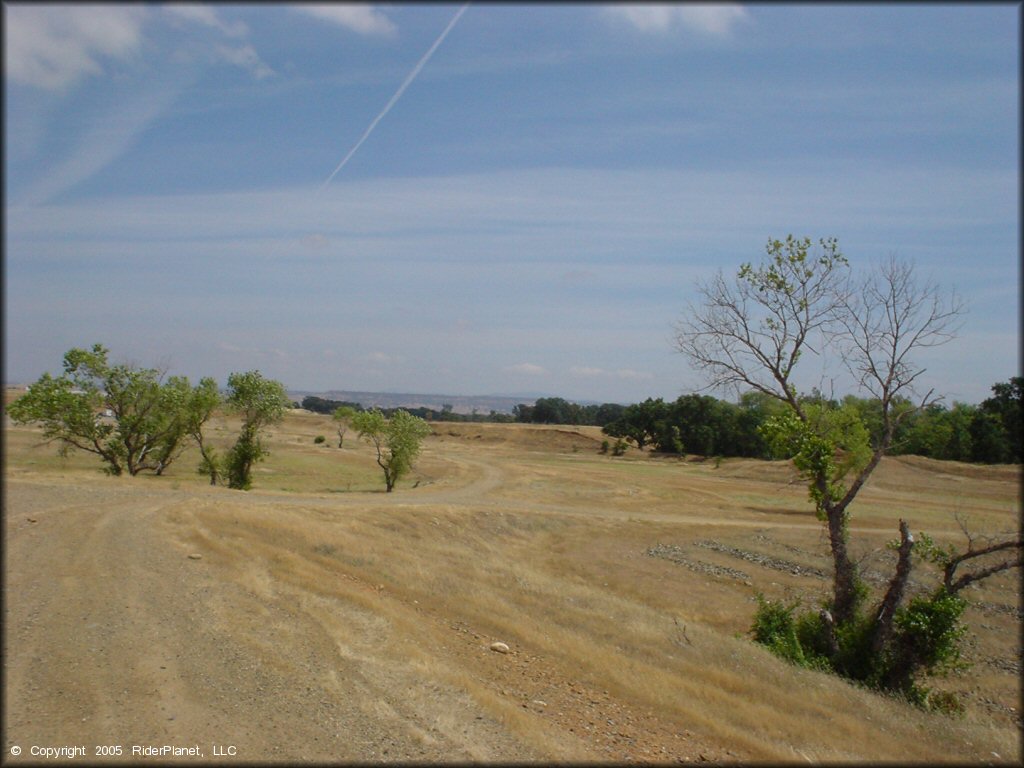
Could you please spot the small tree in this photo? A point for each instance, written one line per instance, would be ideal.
(148, 418)
(205, 399)
(397, 440)
(342, 420)
(260, 402)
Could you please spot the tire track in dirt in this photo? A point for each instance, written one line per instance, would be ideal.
(116, 636)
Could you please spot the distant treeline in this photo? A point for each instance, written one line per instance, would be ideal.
(325, 405)
(989, 433)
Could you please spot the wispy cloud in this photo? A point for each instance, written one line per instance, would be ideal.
(528, 369)
(717, 20)
(245, 56)
(364, 19)
(53, 47)
(206, 16)
(624, 374)
(383, 358)
(236, 53)
(102, 141)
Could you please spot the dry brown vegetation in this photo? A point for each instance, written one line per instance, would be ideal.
(326, 620)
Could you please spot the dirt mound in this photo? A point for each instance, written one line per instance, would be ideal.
(532, 437)
(958, 468)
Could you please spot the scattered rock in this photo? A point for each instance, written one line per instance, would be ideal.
(675, 554)
(768, 562)
(31, 519)
(499, 647)
(195, 556)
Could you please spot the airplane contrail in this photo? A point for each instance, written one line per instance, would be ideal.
(398, 94)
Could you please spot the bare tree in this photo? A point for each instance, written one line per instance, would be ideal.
(753, 330)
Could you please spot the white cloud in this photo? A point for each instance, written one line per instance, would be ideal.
(205, 15)
(239, 55)
(51, 47)
(363, 19)
(528, 369)
(717, 20)
(245, 56)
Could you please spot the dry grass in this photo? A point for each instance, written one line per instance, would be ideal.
(527, 535)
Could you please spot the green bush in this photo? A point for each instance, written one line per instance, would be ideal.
(775, 627)
(319, 439)
(925, 641)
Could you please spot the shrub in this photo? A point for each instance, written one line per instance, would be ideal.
(946, 702)
(775, 628)
(605, 446)
(925, 641)
(319, 439)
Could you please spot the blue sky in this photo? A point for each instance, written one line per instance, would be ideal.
(532, 212)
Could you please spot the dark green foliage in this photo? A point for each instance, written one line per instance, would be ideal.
(928, 638)
(775, 628)
(989, 433)
(323, 405)
(795, 638)
(1007, 404)
(243, 454)
(925, 642)
(319, 439)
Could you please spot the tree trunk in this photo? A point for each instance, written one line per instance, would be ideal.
(845, 598)
(894, 595)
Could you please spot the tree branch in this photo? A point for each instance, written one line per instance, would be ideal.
(954, 585)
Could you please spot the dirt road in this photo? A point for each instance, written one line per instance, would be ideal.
(116, 636)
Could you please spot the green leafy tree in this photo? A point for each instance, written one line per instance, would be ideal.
(397, 440)
(642, 423)
(1007, 403)
(342, 421)
(128, 416)
(261, 402)
(203, 401)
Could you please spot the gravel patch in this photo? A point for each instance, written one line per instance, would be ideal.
(765, 561)
(676, 555)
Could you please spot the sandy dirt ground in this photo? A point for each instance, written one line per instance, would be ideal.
(117, 630)
(275, 626)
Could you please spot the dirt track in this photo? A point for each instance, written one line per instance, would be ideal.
(113, 629)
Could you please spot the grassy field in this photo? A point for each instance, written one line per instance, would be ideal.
(623, 585)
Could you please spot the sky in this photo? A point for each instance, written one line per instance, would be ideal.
(491, 199)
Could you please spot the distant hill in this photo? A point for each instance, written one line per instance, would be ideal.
(463, 404)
